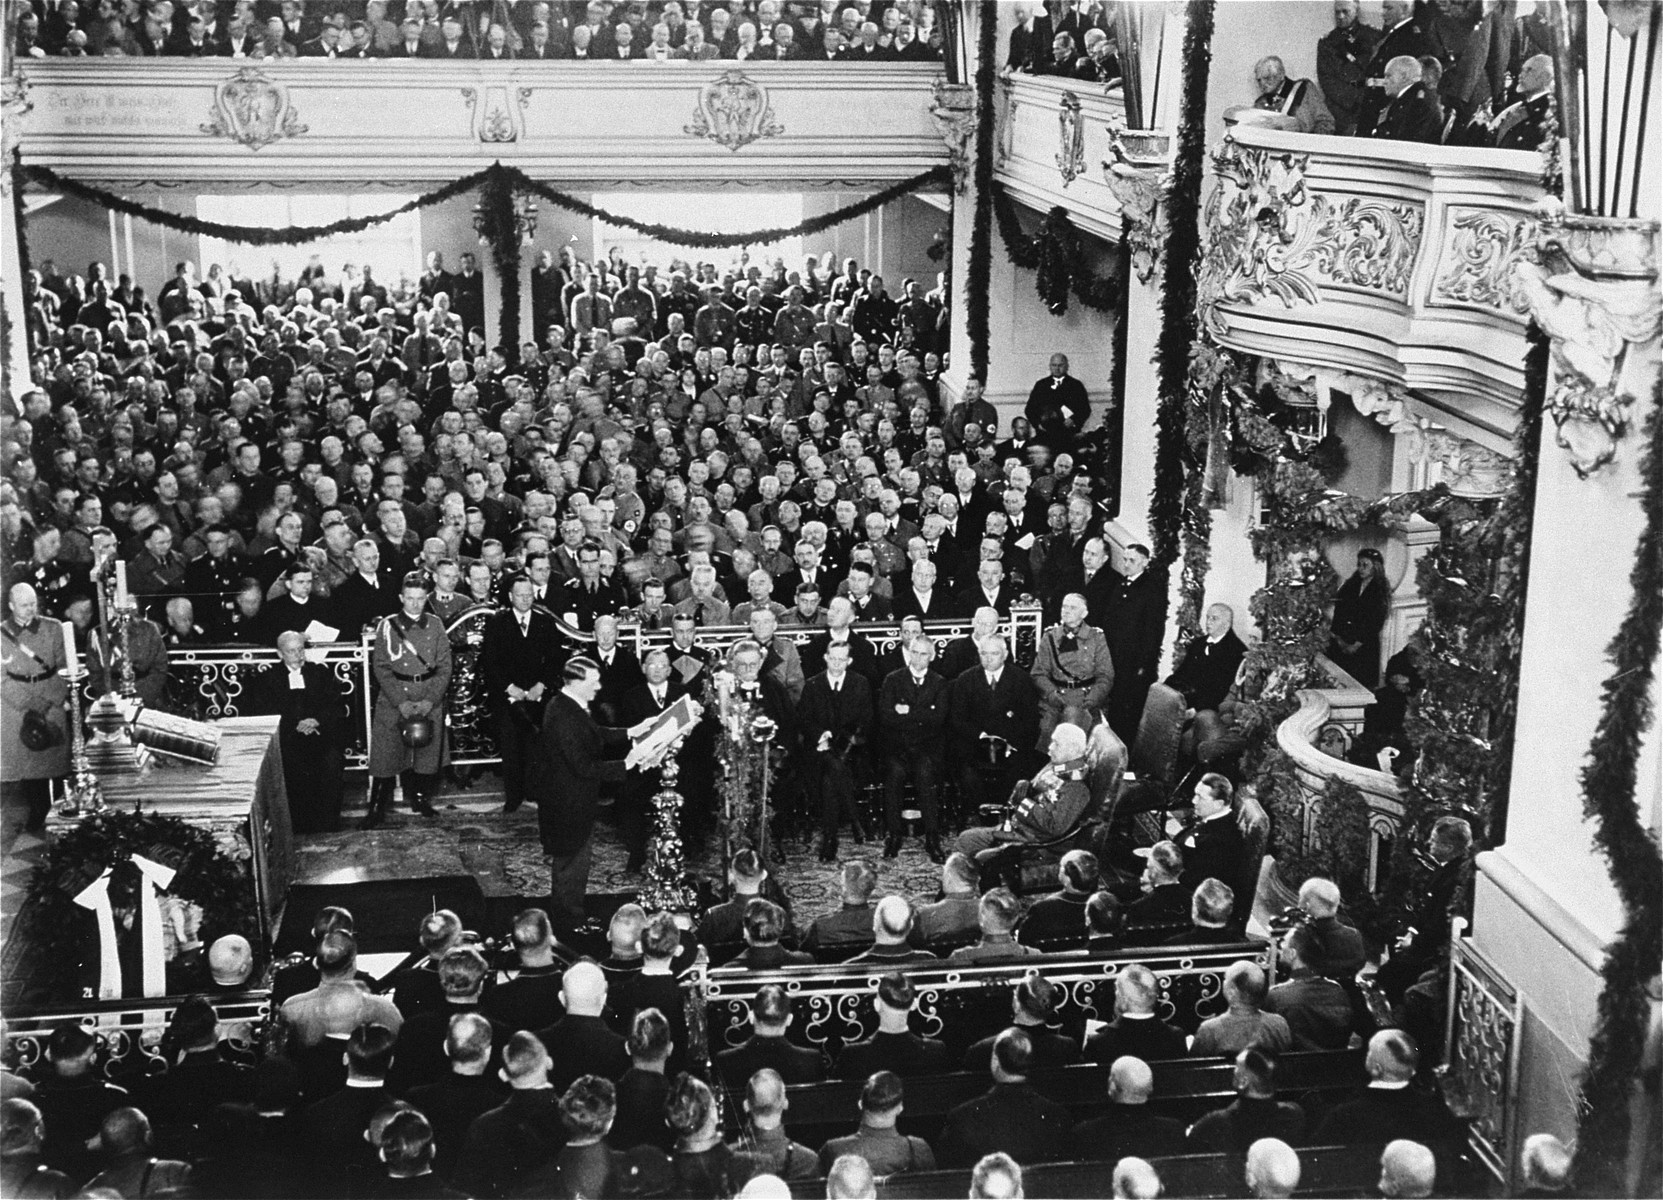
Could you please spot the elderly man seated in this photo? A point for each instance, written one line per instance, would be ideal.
(1045, 807)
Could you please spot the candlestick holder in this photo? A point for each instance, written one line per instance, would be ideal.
(122, 615)
(81, 793)
(667, 888)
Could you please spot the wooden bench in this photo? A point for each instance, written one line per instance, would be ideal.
(1184, 1089)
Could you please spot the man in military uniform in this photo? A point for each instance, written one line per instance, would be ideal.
(214, 578)
(1073, 668)
(410, 660)
(34, 738)
(55, 579)
(1404, 36)
(1523, 125)
(1343, 56)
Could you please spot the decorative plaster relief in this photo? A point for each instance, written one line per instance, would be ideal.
(1481, 249)
(1594, 291)
(1270, 235)
(1071, 139)
(954, 109)
(253, 109)
(1138, 178)
(14, 106)
(733, 111)
(496, 120)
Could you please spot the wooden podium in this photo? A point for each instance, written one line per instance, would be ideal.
(241, 797)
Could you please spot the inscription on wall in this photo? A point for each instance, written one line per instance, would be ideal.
(130, 110)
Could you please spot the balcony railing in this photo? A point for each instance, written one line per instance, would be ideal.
(1051, 142)
(1392, 260)
(188, 121)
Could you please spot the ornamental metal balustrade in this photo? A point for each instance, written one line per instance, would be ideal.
(1483, 1029)
(129, 1032)
(208, 682)
(833, 1003)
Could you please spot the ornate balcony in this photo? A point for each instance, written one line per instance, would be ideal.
(180, 121)
(1389, 260)
(1051, 144)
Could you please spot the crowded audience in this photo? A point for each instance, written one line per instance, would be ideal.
(567, 30)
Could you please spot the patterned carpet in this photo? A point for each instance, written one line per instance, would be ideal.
(472, 836)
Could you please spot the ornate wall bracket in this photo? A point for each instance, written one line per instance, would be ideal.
(1269, 235)
(953, 108)
(1071, 139)
(733, 111)
(253, 109)
(1594, 290)
(1138, 177)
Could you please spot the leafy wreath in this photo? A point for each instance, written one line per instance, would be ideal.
(214, 872)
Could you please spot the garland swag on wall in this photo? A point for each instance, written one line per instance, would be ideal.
(1183, 254)
(499, 185)
(1608, 799)
(1054, 254)
(978, 270)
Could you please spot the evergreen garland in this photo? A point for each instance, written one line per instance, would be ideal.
(498, 226)
(1609, 801)
(1178, 274)
(978, 270)
(1054, 253)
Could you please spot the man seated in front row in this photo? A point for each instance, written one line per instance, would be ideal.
(1046, 807)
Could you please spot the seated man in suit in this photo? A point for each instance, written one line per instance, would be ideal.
(1255, 1112)
(1318, 1010)
(1209, 667)
(1128, 1127)
(835, 723)
(1211, 908)
(1164, 900)
(580, 1043)
(894, 1047)
(1339, 948)
(767, 1048)
(1390, 1105)
(1136, 1030)
(1046, 808)
(876, 1142)
(955, 914)
(764, 926)
(1213, 845)
(1059, 919)
(1246, 1023)
(849, 928)
(1012, 1117)
(1034, 1000)
(892, 923)
(999, 912)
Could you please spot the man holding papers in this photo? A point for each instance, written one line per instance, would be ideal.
(566, 776)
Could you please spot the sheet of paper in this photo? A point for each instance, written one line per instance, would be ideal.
(666, 728)
(1025, 542)
(317, 633)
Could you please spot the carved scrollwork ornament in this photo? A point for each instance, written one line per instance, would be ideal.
(1269, 235)
(15, 104)
(1071, 139)
(953, 108)
(733, 110)
(1138, 177)
(1593, 290)
(253, 109)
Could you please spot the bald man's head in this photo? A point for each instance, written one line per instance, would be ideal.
(1130, 1081)
(1407, 1170)
(584, 990)
(1272, 1168)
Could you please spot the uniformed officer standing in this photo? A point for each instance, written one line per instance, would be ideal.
(213, 580)
(410, 659)
(34, 728)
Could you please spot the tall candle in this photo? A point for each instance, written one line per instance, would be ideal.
(70, 661)
(120, 583)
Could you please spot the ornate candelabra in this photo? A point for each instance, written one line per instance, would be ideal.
(763, 730)
(82, 793)
(667, 888)
(123, 613)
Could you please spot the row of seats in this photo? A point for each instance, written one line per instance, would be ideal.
(1331, 1171)
(1185, 1089)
